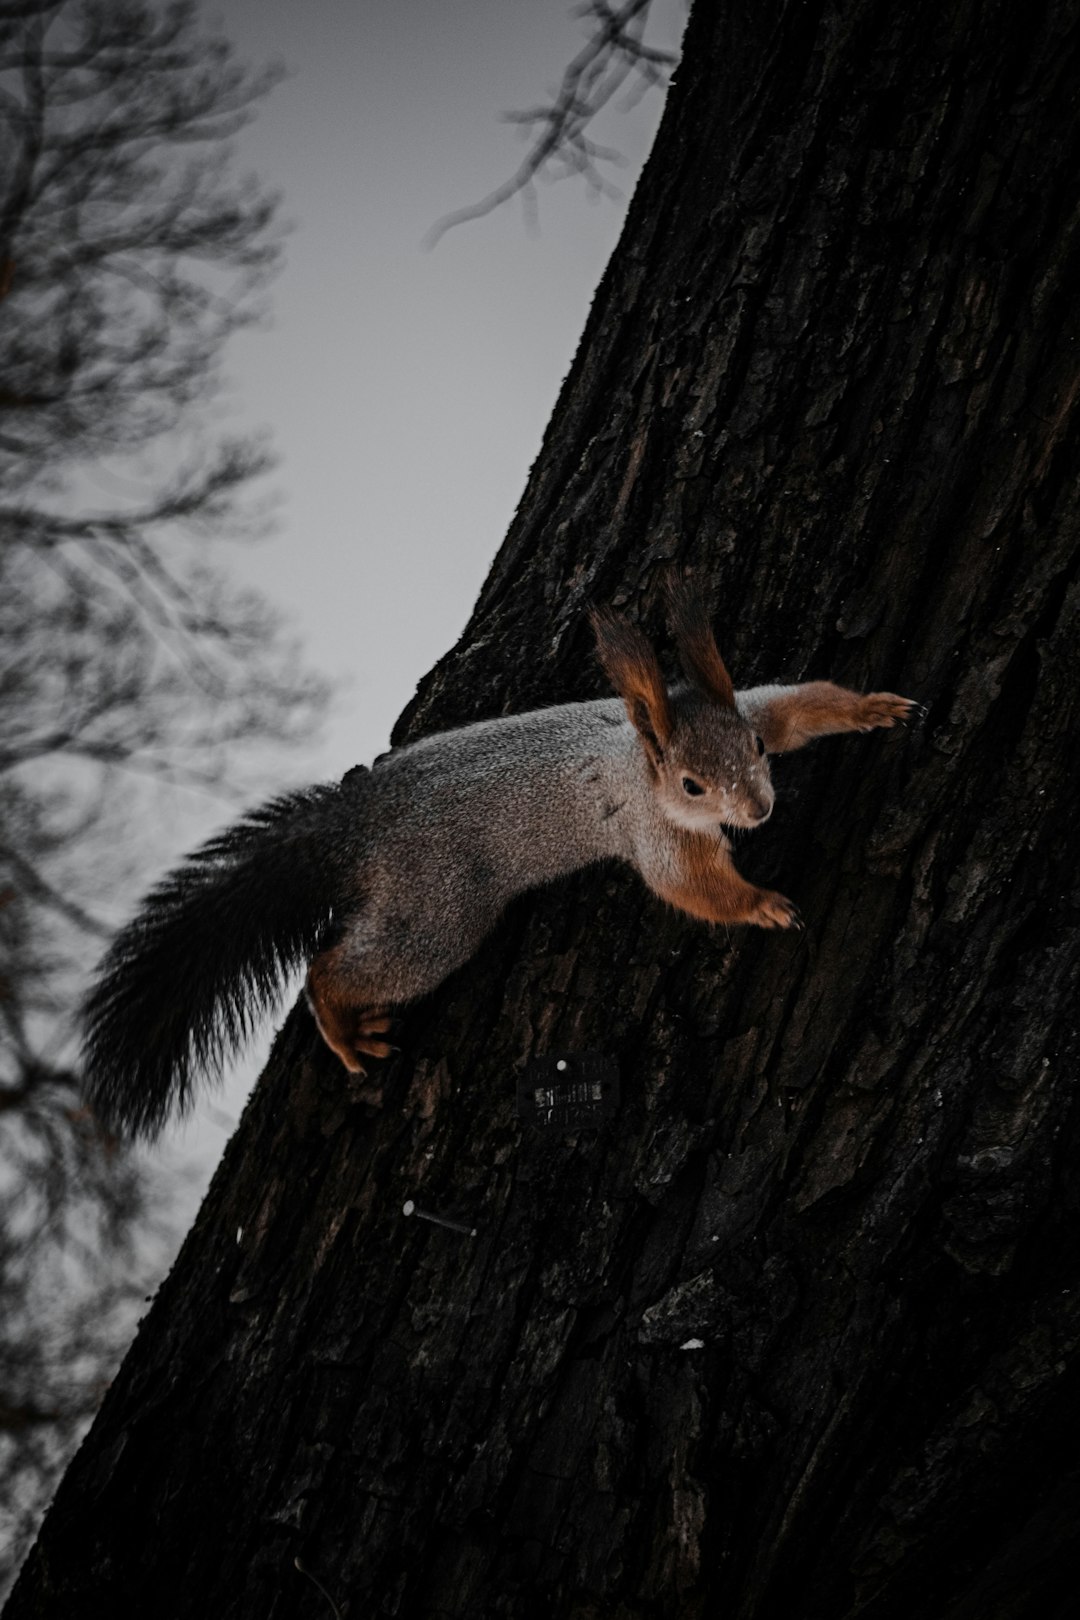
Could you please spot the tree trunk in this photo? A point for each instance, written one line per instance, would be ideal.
(795, 1332)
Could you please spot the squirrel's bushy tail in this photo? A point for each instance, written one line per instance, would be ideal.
(211, 948)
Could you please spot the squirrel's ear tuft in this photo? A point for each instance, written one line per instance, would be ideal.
(632, 667)
(698, 652)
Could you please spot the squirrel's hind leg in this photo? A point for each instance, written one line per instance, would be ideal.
(348, 1024)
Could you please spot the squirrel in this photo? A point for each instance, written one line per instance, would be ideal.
(387, 882)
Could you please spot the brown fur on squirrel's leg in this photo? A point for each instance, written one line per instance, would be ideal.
(347, 1026)
(786, 717)
(705, 884)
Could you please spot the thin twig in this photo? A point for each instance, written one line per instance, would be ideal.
(613, 52)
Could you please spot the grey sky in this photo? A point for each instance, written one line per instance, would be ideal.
(407, 390)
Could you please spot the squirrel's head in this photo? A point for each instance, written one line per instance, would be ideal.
(707, 765)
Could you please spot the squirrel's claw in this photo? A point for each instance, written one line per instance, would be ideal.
(776, 911)
(883, 709)
(376, 1049)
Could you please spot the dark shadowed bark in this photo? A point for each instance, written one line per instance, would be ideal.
(832, 370)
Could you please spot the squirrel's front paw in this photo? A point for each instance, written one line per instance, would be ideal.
(884, 709)
(775, 911)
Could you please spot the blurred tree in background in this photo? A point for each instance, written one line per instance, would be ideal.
(130, 252)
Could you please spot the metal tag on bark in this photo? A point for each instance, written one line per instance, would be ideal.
(568, 1091)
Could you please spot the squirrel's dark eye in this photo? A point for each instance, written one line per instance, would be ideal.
(759, 745)
(692, 787)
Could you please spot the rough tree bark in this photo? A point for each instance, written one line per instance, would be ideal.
(832, 369)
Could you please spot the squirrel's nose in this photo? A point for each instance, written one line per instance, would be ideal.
(761, 810)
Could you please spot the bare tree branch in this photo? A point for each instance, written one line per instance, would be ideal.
(560, 144)
(130, 252)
